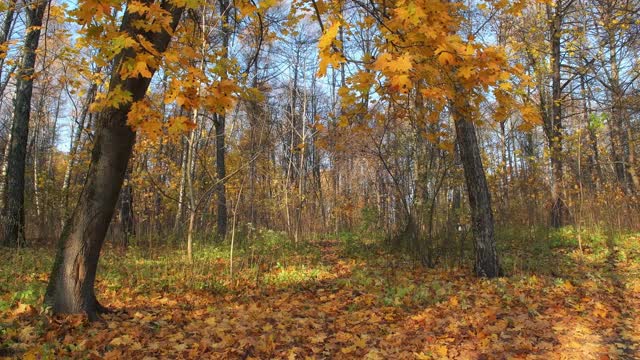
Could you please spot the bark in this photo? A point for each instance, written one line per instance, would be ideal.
(593, 158)
(221, 171)
(71, 285)
(220, 123)
(3, 169)
(505, 168)
(7, 26)
(553, 125)
(126, 210)
(254, 113)
(13, 210)
(190, 166)
(36, 164)
(486, 257)
(181, 191)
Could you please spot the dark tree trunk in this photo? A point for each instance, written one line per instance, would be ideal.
(7, 25)
(220, 123)
(553, 125)
(221, 171)
(71, 285)
(13, 211)
(126, 210)
(486, 257)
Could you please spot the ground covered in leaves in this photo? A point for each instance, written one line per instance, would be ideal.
(333, 299)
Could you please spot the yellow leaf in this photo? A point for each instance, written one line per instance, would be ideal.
(332, 59)
(142, 69)
(121, 340)
(530, 115)
(177, 125)
(506, 86)
(446, 58)
(440, 350)
(382, 62)
(401, 83)
(329, 35)
(401, 64)
(466, 72)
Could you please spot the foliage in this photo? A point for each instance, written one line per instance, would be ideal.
(376, 306)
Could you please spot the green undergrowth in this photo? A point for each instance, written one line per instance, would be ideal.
(267, 258)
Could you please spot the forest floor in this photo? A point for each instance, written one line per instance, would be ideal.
(332, 299)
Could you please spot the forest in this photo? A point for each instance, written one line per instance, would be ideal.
(320, 179)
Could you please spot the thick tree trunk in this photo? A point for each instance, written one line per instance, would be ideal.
(71, 285)
(13, 210)
(486, 257)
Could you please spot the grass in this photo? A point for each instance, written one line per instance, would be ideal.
(306, 287)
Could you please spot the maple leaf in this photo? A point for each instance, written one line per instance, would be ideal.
(119, 43)
(136, 7)
(466, 72)
(329, 36)
(531, 115)
(401, 83)
(141, 68)
(334, 60)
(382, 62)
(116, 98)
(179, 124)
(401, 64)
(138, 66)
(446, 58)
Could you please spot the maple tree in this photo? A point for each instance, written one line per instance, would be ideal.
(147, 33)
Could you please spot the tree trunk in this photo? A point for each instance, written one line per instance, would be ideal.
(190, 167)
(486, 257)
(127, 219)
(220, 123)
(13, 210)
(7, 26)
(221, 172)
(71, 285)
(553, 127)
(184, 167)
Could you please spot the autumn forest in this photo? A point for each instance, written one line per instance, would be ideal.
(330, 179)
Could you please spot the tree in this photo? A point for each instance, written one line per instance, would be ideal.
(445, 69)
(13, 232)
(553, 120)
(71, 284)
(220, 123)
(486, 257)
